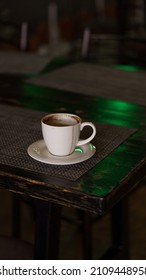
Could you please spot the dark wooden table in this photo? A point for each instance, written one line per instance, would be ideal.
(119, 172)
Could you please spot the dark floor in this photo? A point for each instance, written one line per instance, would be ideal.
(71, 245)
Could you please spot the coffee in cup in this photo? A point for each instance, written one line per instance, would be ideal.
(61, 133)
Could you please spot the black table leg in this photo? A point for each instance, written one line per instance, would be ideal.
(119, 232)
(120, 228)
(86, 232)
(16, 215)
(47, 232)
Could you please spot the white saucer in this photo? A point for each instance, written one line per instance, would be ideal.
(38, 151)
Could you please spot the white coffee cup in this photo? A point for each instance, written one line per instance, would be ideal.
(61, 133)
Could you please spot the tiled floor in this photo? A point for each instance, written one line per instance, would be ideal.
(71, 245)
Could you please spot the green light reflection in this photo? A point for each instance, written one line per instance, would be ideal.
(79, 150)
(91, 147)
(116, 112)
(130, 68)
(107, 174)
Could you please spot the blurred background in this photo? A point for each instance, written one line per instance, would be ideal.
(70, 18)
(47, 21)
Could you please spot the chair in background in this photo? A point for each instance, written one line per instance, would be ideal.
(13, 37)
(99, 48)
(132, 27)
(126, 45)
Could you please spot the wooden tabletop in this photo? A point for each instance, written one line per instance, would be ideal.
(99, 189)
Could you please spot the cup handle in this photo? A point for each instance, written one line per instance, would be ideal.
(85, 141)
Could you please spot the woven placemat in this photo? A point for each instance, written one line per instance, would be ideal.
(97, 80)
(21, 127)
